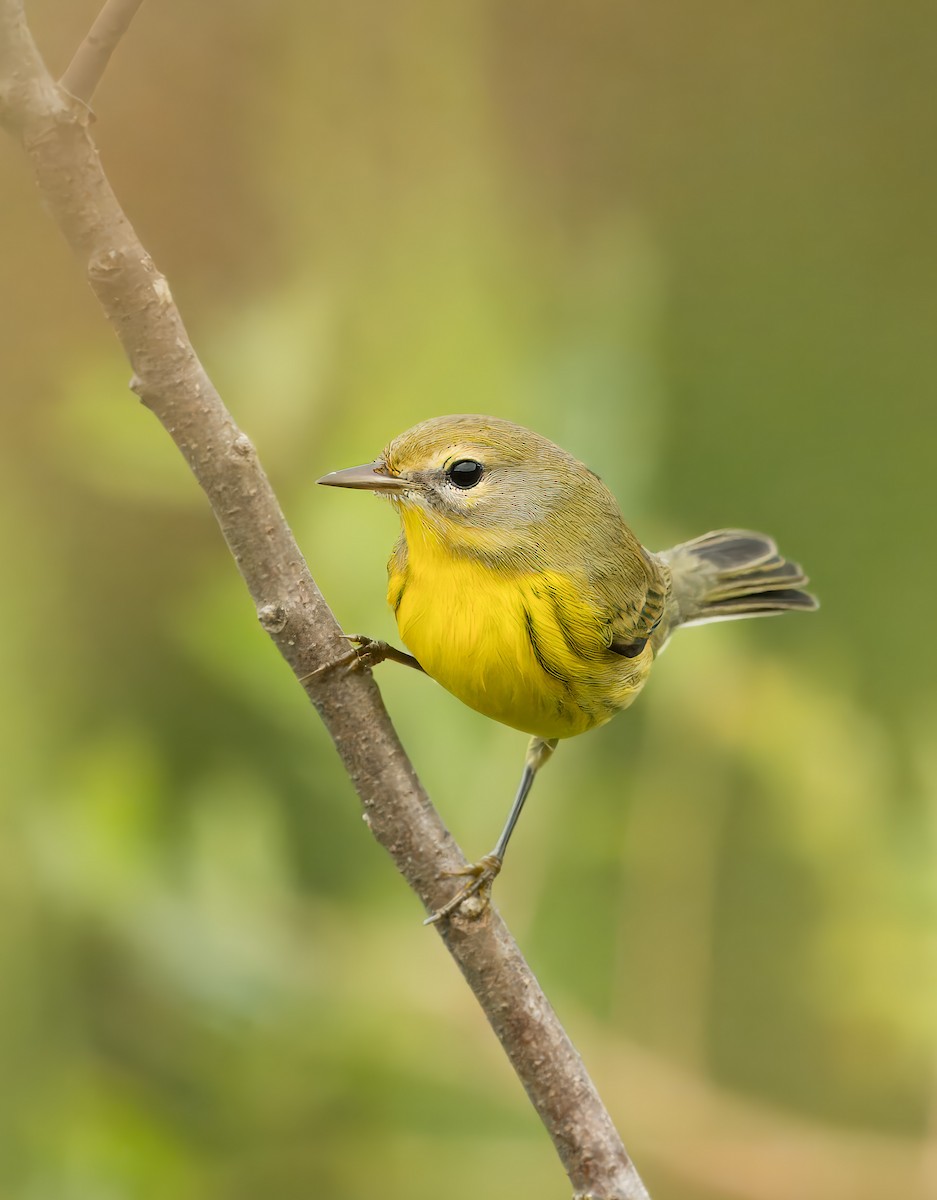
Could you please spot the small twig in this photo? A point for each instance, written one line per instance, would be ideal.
(83, 73)
(170, 380)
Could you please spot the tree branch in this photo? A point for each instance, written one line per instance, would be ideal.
(83, 73)
(52, 125)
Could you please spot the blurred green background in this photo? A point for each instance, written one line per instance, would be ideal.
(695, 244)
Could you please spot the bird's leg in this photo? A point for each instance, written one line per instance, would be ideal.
(482, 874)
(365, 652)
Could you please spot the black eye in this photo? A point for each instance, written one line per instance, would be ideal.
(465, 473)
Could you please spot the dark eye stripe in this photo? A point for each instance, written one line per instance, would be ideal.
(465, 473)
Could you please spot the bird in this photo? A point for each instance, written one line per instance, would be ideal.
(517, 585)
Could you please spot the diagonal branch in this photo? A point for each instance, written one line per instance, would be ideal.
(52, 126)
(83, 73)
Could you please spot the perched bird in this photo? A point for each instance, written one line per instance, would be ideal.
(517, 585)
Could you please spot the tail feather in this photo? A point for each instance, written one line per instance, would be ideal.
(732, 573)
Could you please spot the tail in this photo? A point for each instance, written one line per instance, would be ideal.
(731, 573)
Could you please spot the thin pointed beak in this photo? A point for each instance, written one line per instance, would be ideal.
(372, 477)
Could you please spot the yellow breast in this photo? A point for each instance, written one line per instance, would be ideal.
(524, 649)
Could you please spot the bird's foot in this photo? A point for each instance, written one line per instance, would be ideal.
(364, 652)
(481, 875)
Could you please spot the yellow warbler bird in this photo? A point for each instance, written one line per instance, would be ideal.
(518, 586)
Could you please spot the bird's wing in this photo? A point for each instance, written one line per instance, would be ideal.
(616, 606)
(635, 599)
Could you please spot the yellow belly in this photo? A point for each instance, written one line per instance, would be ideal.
(502, 644)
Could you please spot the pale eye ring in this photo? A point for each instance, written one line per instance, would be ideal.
(465, 473)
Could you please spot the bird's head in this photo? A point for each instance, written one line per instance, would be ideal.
(476, 481)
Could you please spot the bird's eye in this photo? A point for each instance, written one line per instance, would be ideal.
(465, 473)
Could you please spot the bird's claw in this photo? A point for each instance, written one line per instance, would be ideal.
(365, 652)
(481, 875)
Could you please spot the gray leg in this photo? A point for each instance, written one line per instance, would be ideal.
(483, 873)
(538, 751)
